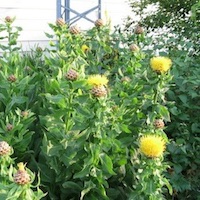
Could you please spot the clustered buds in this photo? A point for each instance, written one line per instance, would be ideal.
(21, 177)
(99, 91)
(99, 23)
(12, 78)
(60, 22)
(159, 123)
(71, 75)
(74, 29)
(4, 148)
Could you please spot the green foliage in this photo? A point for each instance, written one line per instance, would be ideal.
(87, 147)
(177, 17)
(183, 103)
(185, 112)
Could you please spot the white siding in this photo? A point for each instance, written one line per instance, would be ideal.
(34, 15)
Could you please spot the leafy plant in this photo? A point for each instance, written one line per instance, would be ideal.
(96, 116)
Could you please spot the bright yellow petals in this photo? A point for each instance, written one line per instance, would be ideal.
(160, 64)
(21, 166)
(152, 146)
(85, 48)
(97, 80)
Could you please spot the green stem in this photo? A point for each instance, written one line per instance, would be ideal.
(157, 89)
(9, 38)
(68, 116)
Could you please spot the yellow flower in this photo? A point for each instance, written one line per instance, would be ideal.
(160, 63)
(97, 80)
(152, 145)
(21, 166)
(84, 48)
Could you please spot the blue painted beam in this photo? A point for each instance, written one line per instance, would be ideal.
(58, 9)
(66, 8)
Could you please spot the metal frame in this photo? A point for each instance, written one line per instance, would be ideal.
(64, 9)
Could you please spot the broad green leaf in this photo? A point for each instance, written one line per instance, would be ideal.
(163, 111)
(72, 185)
(83, 173)
(88, 186)
(107, 164)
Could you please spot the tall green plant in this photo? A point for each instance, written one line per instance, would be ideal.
(16, 117)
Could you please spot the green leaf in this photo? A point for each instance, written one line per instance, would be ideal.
(83, 173)
(49, 35)
(150, 187)
(57, 99)
(78, 84)
(88, 186)
(183, 98)
(19, 28)
(72, 185)
(163, 111)
(107, 164)
(16, 100)
(125, 128)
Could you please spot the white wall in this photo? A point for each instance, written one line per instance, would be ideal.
(34, 15)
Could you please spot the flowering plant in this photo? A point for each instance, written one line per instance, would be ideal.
(79, 113)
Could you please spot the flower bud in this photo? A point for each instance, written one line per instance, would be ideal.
(74, 29)
(24, 113)
(139, 30)
(9, 127)
(71, 75)
(12, 78)
(159, 123)
(134, 47)
(99, 23)
(99, 91)
(21, 177)
(8, 19)
(125, 79)
(60, 22)
(4, 148)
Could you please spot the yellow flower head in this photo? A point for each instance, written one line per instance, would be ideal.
(84, 48)
(21, 166)
(152, 145)
(160, 63)
(97, 80)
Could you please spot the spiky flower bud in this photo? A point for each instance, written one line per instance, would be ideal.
(139, 30)
(74, 29)
(99, 91)
(21, 177)
(71, 75)
(4, 148)
(9, 127)
(159, 123)
(12, 78)
(99, 22)
(134, 47)
(60, 22)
